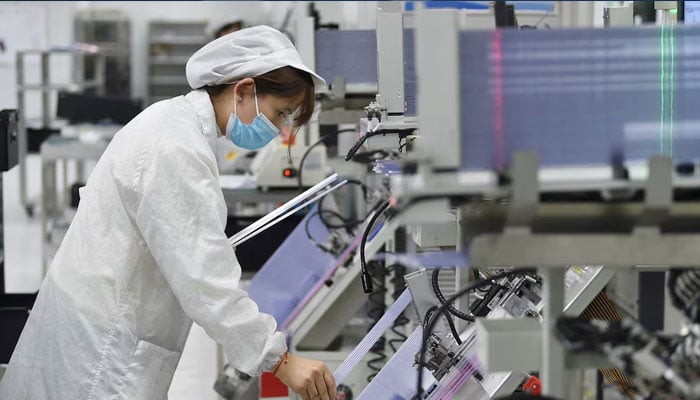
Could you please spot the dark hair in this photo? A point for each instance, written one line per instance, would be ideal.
(284, 82)
(231, 26)
(290, 82)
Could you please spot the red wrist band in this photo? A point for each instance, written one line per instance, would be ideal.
(279, 364)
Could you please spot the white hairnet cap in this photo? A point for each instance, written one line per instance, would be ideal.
(246, 53)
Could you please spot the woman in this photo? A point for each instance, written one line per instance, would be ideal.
(146, 253)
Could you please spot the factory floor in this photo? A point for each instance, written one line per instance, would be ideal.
(196, 372)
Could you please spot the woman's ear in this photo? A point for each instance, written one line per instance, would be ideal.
(243, 88)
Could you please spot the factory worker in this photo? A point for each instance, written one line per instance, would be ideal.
(230, 158)
(146, 253)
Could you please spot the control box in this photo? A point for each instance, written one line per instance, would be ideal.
(9, 140)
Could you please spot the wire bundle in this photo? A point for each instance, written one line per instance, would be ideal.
(443, 301)
(442, 309)
(602, 308)
(687, 351)
(333, 220)
(308, 151)
(684, 289)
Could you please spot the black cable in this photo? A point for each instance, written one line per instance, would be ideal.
(399, 322)
(368, 157)
(542, 18)
(438, 293)
(451, 323)
(359, 144)
(402, 134)
(377, 309)
(441, 310)
(476, 275)
(366, 276)
(399, 284)
(346, 223)
(430, 313)
(308, 150)
(311, 238)
(402, 145)
(375, 364)
(581, 334)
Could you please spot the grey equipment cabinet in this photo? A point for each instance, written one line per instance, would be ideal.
(171, 43)
(111, 31)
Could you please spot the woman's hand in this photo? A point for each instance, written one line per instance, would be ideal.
(310, 379)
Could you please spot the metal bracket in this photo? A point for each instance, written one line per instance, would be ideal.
(525, 192)
(439, 99)
(422, 294)
(658, 196)
(338, 91)
(390, 79)
(509, 344)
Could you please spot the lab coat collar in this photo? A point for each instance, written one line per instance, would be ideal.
(205, 113)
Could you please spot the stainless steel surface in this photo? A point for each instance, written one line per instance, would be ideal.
(611, 250)
(553, 366)
(439, 99)
(523, 206)
(390, 77)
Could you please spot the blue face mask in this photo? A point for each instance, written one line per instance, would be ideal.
(253, 136)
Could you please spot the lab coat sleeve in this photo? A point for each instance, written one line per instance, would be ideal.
(181, 214)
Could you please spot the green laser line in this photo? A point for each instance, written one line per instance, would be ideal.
(661, 125)
(672, 34)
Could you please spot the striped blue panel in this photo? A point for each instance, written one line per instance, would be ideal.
(292, 271)
(578, 97)
(351, 54)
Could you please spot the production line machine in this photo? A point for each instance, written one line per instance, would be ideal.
(575, 157)
(548, 164)
(327, 293)
(311, 286)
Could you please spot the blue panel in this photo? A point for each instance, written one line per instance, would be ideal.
(351, 54)
(409, 71)
(464, 5)
(292, 271)
(482, 5)
(579, 96)
(691, 12)
(533, 5)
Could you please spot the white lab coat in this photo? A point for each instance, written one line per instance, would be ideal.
(145, 255)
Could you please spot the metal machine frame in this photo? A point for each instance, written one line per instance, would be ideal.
(506, 237)
(46, 87)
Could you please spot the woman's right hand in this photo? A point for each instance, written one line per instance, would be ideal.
(310, 379)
